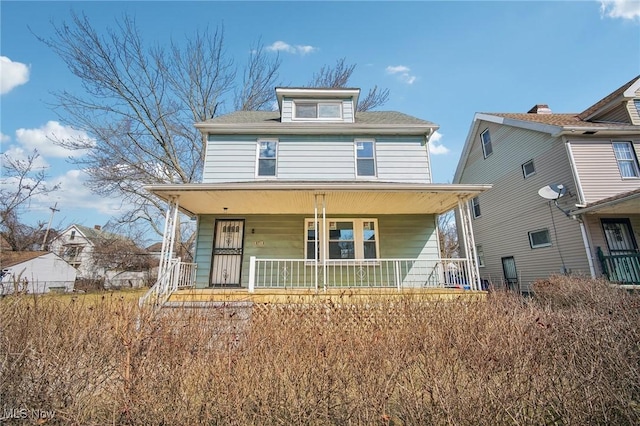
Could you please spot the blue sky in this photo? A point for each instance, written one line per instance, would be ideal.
(442, 61)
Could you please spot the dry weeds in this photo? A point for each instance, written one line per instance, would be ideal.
(569, 355)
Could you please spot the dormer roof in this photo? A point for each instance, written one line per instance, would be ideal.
(625, 92)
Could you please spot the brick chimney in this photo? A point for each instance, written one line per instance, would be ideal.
(97, 227)
(540, 109)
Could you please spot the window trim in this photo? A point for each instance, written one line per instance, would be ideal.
(524, 172)
(475, 202)
(535, 246)
(484, 143)
(358, 238)
(633, 160)
(356, 158)
(317, 103)
(258, 158)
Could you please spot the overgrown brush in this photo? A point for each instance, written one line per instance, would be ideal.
(545, 360)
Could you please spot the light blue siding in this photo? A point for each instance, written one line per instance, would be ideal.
(398, 159)
(282, 237)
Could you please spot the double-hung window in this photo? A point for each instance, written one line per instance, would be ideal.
(365, 158)
(308, 110)
(267, 157)
(344, 239)
(487, 148)
(475, 207)
(626, 158)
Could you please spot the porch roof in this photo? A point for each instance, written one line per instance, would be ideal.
(623, 203)
(278, 197)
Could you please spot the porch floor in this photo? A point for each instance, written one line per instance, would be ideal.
(306, 296)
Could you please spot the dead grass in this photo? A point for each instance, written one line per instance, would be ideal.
(570, 355)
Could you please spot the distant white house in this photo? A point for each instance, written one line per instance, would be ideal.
(35, 272)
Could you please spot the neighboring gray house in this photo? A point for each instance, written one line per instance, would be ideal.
(317, 195)
(34, 272)
(589, 159)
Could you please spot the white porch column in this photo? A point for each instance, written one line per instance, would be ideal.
(325, 243)
(469, 245)
(169, 236)
(316, 238)
(252, 274)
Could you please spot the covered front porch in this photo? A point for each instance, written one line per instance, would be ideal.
(314, 239)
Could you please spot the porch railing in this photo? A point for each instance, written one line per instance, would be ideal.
(370, 273)
(620, 268)
(177, 275)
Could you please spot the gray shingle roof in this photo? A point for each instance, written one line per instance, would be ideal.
(365, 117)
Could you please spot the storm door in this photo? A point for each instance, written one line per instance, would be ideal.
(510, 273)
(619, 236)
(227, 253)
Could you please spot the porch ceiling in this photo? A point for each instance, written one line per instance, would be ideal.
(299, 198)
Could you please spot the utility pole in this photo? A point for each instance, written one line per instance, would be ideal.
(46, 234)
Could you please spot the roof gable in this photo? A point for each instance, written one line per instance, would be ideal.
(625, 92)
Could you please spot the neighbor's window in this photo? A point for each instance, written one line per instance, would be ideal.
(528, 169)
(344, 239)
(539, 238)
(318, 110)
(475, 207)
(627, 161)
(487, 149)
(267, 158)
(637, 104)
(480, 255)
(365, 158)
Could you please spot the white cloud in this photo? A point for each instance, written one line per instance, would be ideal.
(435, 147)
(625, 9)
(4, 138)
(42, 139)
(281, 46)
(19, 154)
(12, 74)
(403, 73)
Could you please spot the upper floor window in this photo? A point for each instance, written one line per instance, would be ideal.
(317, 110)
(267, 157)
(528, 169)
(73, 235)
(636, 102)
(627, 161)
(475, 207)
(487, 149)
(365, 158)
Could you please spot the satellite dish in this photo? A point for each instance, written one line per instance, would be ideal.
(552, 191)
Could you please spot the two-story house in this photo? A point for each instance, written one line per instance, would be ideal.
(565, 195)
(317, 196)
(102, 256)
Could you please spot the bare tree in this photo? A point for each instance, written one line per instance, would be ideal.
(448, 235)
(339, 75)
(139, 104)
(21, 181)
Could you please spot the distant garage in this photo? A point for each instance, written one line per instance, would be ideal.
(35, 272)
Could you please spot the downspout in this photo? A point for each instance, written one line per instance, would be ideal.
(587, 247)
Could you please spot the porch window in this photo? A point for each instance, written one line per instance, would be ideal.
(344, 239)
(318, 110)
(487, 149)
(539, 238)
(626, 158)
(267, 157)
(365, 158)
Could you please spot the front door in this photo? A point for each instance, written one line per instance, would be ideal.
(227, 253)
(510, 273)
(619, 237)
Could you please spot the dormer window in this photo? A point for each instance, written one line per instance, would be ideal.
(305, 110)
